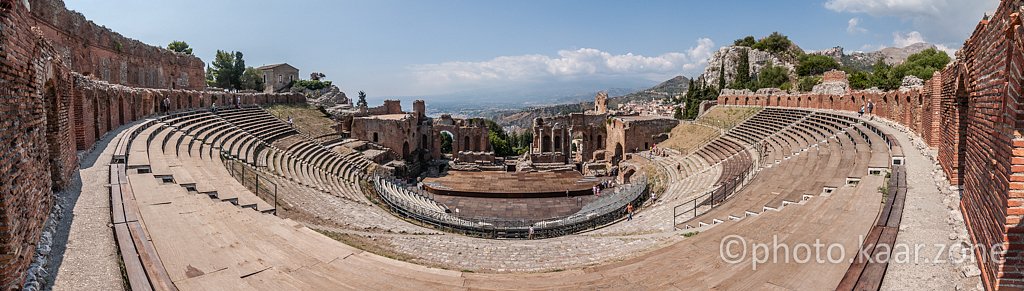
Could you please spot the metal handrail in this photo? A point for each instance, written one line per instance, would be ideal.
(633, 193)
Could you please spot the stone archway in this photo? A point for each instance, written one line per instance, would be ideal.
(618, 152)
(405, 150)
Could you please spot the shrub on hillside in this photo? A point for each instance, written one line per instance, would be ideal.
(811, 65)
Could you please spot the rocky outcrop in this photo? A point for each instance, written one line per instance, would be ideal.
(331, 99)
(835, 53)
(911, 83)
(730, 56)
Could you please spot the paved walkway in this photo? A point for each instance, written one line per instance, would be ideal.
(85, 254)
(925, 227)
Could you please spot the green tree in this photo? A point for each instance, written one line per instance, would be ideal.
(807, 83)
(446, 142)
(237, 71)
(886, 77)
(811, 65)
(252, 79)
(859, 80)
(747, 41)
(925, 63)
(210, 82)
(678, 114)
(772, 76)
(775, 43)
(223, 70)
(227, 69)
(362, 99)
(180, 46)
(721, 76)
(742, 79)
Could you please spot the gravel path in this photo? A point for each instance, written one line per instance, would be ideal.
(85, 254)
(930, 227)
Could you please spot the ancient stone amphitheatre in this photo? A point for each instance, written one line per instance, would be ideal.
(118, 173)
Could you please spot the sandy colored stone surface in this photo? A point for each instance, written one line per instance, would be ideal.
(89, 259)
(925, 227)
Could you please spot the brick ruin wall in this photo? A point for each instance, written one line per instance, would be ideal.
(97, 51)
(636, 135)
(51, 112)
(972, 112)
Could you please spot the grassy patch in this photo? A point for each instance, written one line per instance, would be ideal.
(688, 137)
(307, 119)
(728, 117)
(691, 234)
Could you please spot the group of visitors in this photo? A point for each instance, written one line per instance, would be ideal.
(870, 106)
(596, 190)
(656, 152)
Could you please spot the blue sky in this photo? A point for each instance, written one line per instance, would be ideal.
(418, 48)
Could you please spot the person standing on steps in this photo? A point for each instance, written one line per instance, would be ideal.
(629, 212)
(166, 104)
(861, 112)
(291, 123)
(871, 108)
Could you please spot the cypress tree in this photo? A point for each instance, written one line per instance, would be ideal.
(742, 70)
(721, 75)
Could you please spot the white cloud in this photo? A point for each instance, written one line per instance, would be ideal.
(945, 21)
(568, 64)
(903, 40)
(853, 26)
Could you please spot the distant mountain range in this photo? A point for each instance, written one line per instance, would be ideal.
(523, 118)
(518, 105)
(470, 102)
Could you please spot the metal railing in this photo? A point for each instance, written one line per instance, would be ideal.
(605, 210)
(251, 178)
(711, 199)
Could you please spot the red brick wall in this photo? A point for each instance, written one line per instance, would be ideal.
(94, 50)
(105, 107)
(971, 112)
(50, 112)
(25, 197)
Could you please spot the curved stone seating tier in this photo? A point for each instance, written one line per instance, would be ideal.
(813, 167)
(206, 245)
(244, 133)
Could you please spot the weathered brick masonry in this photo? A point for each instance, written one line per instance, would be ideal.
(94, 50)
(973, 113)
(49, 111)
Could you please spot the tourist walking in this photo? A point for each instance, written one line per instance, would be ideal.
(871, 108)
(530, 234)
(861, 112)
(238, 102)
(291, 123)
(629, 212)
